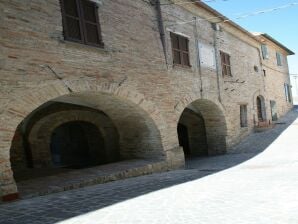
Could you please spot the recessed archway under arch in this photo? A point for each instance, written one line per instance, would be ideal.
(139, 136)
(202, 129)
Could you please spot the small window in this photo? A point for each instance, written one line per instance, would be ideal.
(264, 51)
(243, 115)
(264, 72)
(288, 93)
(225, 64)
(279, 59)
(180, 50)
(81, 22)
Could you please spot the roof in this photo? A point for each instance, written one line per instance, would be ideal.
(252, 35)
(265, 35)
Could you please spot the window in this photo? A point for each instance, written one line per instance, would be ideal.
(264, 72)
(264, 51)
(80, 22)
(279, 59)
(243, 115)
(288, 93)
(225, 64)
(180, 50)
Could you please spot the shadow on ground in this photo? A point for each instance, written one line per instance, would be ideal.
(65, 205)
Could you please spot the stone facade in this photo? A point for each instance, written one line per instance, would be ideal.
(275, 76)
(131, 84)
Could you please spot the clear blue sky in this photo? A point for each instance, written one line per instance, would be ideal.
(281, 24)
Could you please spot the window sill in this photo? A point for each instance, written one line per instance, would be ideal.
(230, 77)
(187, 67)
(82, 46)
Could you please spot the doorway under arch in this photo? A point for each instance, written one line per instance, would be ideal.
(261, 111)
(77, 144)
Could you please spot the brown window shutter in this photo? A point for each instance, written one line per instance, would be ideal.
(222, 58)
(71, 20)
(90, 21)
(177, 57)
(180, 50)
(225, 64)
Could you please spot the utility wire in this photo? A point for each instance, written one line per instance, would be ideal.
(192, 2)
(245, 15)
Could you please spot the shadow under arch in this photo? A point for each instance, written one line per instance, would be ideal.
(140, 186)
(202, 129)
(113, 98)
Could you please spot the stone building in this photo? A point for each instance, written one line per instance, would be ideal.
(276, 75)
(87, 83)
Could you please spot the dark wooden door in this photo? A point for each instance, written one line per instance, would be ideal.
(183, 138)
(259, 108)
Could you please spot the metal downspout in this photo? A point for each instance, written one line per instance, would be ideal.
(161, 29)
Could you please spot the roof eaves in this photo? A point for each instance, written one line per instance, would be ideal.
(275, 41)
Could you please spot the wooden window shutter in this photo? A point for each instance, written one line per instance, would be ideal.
(175, 47)
(81, 22)
(278, 59)
(243, 115)
(184, 51)
(180, 50)
(90, 21)
(225, 64)
(264, 51)
(71, 20)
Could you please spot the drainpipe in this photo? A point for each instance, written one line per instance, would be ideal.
(218, 73)
(161, 28)
(199, 68)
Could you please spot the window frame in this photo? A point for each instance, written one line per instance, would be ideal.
(226, 67)
(180, 51)
(82, 23)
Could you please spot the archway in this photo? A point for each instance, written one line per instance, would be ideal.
(202, 129)
(124, 130)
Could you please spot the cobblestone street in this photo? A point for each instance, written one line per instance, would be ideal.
(255, 183)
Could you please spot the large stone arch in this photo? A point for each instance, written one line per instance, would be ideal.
(23, 103)
(214, 120)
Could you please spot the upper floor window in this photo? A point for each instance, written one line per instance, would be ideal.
(264, 51)
(225, 64)
(81, 22)
(180, 50)
(278, 59)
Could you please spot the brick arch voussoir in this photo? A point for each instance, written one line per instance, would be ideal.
(27, 101)
(121, 92)
(185, 101)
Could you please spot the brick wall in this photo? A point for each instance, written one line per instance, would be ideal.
(129, 80)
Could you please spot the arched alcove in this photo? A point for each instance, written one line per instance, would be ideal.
(202, 129)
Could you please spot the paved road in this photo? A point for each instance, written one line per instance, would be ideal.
(257, 183)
